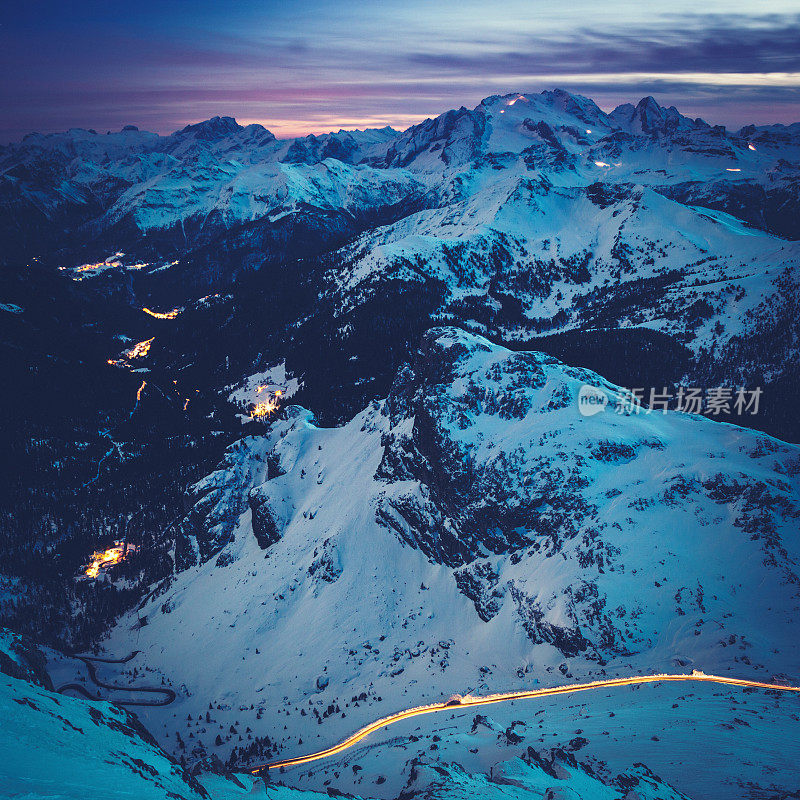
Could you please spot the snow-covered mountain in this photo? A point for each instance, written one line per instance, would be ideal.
(465, 528)
(527, 257)
(205, 179)
(527, 216)
(474, 532)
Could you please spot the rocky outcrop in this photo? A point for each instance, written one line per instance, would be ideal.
(467, 506)
(270, 513)
(217, 501)
(20, 658)
(547, 775)
(452, 138)
(488, 463)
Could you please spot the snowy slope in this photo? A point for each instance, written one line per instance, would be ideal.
(533, 776)
(63, 748)
(709, 742)
(578, 258)
(59, 747)
(557, 775)
(52, 746)
(474, 532)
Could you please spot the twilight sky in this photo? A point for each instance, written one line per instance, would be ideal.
(303, 66)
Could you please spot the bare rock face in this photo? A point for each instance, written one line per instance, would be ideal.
(269, 515)
(470, 504)
(454, 138)
(490, 469)
(589, 534)
(216, 502)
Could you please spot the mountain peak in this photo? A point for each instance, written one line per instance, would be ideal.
(649, 103)
(649, 118)
(649, 115)
(578, 106)
(214, 128)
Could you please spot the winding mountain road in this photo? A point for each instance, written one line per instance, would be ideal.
(168, 694)
(469, 701)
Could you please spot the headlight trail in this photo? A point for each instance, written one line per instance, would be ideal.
(470, 701)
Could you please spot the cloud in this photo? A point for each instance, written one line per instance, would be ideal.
(311, 73)
(697, 44)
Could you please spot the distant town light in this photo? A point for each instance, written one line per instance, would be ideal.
(163, 314)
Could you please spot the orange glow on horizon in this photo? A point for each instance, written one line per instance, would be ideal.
(294, 128)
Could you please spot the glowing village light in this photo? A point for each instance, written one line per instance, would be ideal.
(268, 406)
(90, 267)
(265, 409)
(140, 349)
(163, 314)
(103, 559)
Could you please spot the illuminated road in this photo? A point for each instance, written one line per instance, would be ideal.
(469, 701)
